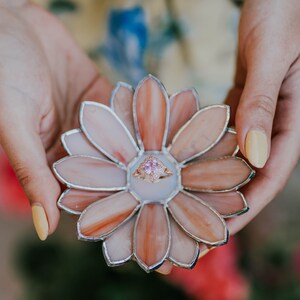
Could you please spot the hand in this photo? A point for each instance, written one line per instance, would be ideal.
(265, 99)
(44, 77)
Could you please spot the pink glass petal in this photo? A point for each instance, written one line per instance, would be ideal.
(75, 143)
(121, 103)
(183, 105)
(221, 174)
(152, 238)
(89, 173)
(151, 106)
(226, 204)
(200, 134)
(198, 219)
(104, 216)
(106, 132)
(227, 146)
(76, 201)
(184, 250)
(117, 248)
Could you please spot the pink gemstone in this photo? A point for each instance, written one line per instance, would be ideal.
(147, 168)
(151, 169)
(151, 166)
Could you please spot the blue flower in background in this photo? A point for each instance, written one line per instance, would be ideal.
(126, 42)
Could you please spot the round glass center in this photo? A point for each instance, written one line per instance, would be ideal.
(154, 177)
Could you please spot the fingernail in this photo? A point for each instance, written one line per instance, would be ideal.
(40, 221)
(257, 150)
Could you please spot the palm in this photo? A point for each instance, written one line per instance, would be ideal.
(48, 71)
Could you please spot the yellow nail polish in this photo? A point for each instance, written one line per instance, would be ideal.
(257, 149)
(40, 221)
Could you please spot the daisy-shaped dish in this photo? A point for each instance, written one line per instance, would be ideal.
(152, 176)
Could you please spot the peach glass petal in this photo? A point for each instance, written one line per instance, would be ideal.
(151, 107)
(75, 201)
(184, 250)
(152, 236)
(221, 174)
(106, 132)
(200, 134)
(102, 217)
(121, 103)
(89, 173)
(117, 247)
(227, 146)
(198, 219)
(226, 204)
(183, 105)
(75, 143)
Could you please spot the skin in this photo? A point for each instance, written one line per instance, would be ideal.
(45, 76)
(266, 95)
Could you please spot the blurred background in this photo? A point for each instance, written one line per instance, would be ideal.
(184, 43)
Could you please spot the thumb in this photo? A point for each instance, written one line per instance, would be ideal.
(27, 156)
(257, 106)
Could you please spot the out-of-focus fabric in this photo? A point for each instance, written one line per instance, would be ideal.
(183, 43)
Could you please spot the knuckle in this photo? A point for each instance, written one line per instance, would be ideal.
(262, 106)
(23, 175)
(36, 183)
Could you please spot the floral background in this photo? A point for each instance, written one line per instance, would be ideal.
(184, 43)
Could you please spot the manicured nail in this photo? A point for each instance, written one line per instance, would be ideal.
(40, 221)
(257, 150)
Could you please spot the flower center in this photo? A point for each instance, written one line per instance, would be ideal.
(152, 170)
(154, 177)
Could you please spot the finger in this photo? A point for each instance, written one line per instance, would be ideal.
(256, 110)
(233, 97)
(27, 156)
(272, 178)
(166, 268)
(266, 69)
